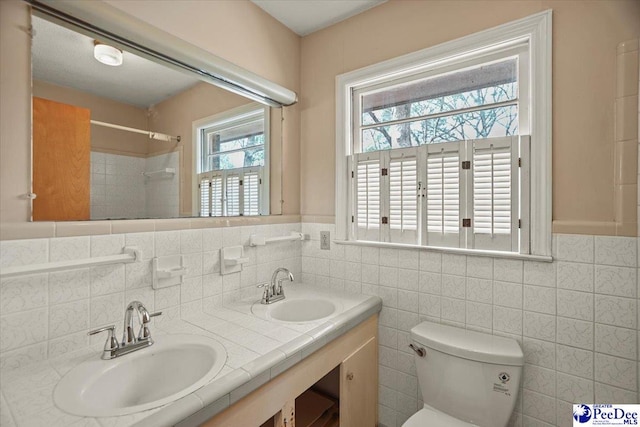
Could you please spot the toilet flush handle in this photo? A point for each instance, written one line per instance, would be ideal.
(419, 350)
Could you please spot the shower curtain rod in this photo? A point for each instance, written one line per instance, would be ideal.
(152, 135)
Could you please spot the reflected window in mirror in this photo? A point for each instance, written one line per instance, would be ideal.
(232, 151)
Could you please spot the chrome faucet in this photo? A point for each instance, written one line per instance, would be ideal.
(274, 290)
(130, 342)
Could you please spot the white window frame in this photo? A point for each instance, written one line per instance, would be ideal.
(230, 116)
(535, 31)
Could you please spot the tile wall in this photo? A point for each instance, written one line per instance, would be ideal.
(576, 318)
(162, 193)
(46, 315)
(117, 186)
(119, 190)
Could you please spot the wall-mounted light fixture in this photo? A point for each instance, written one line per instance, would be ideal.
(106, 54)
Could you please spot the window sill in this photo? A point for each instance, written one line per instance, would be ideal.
(457, 251)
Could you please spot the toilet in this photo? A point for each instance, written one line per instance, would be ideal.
(467, 378)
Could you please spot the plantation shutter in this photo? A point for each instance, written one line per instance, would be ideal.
(444, 193)
(217, 199)
(367, 185)
(232, 195)
(251, 188)
(205, 196)
(494, 184)
(403, 196)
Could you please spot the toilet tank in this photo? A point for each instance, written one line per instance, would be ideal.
(469, 375)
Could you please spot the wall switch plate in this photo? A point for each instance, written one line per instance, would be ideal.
(325, 240)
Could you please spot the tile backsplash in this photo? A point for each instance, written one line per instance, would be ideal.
(575, 318)
(46, 315)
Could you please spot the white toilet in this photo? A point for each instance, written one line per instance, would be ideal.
(467, 378)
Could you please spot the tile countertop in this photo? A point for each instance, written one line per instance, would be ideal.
(257, 350)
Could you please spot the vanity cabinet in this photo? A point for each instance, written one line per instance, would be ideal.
(354, 356)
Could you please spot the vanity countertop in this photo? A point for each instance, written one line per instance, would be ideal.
(257, 350)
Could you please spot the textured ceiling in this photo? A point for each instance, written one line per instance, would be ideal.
(65, 58)
(306, 16)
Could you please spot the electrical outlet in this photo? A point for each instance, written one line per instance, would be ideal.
(325, 240)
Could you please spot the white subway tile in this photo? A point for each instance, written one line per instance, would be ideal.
(480, 267)
(408, 259)
(540, 353)
(576, 248)
(540, 380)
(110, 244)
(616, 311)
(574, 361)
(575, 305)
(69, 248)
(540, 299)
(508, 270)
(576, 276)
(23, 329)
(479, 290)
(479, 315)
(507, 320)
(67, 318)
(621, 251)
(15, 253)
(616, 372)
(453, 286)
(576, 333)
(616, 341)
(23, 293)
(574, 389)
(540, 273)
(431, 261)
(619, 281)
(540, 326)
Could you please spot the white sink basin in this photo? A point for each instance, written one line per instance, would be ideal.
(174, 366)
(297, 310)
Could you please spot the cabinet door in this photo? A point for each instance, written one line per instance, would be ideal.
(359, 387)
(61, 161)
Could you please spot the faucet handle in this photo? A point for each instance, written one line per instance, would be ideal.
(112, 343)
(145, 332)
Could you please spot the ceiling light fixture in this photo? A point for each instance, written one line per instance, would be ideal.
(106, 54)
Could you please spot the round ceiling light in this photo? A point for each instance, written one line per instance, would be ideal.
(106, 54)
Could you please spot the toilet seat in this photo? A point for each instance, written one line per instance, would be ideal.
(428, 417)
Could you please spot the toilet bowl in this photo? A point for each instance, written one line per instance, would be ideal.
(467, 378)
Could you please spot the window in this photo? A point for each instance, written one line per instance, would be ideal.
(232, 153)
(447, 148)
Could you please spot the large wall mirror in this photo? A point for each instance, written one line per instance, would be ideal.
(117, 135)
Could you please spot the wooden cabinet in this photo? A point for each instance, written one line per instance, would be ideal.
(356, 356)
(359, 387)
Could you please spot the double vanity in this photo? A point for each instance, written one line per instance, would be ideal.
(244, 363)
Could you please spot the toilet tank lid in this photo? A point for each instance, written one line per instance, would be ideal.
(467, 344)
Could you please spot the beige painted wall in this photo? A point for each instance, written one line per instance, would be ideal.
(176, 115)
(585, 36)
(243, 34)
(249, 37)
(105, 110)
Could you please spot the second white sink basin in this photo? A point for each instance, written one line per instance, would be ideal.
(298, 310)
(174, 366)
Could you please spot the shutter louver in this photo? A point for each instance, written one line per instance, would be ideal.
(367, 191)
(216, 196)
(403, 200)
(251, 187)
(494, 191)
(205, 197)
(233, 195)
(443, 194)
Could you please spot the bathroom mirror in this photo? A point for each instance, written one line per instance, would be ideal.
(141, 139)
